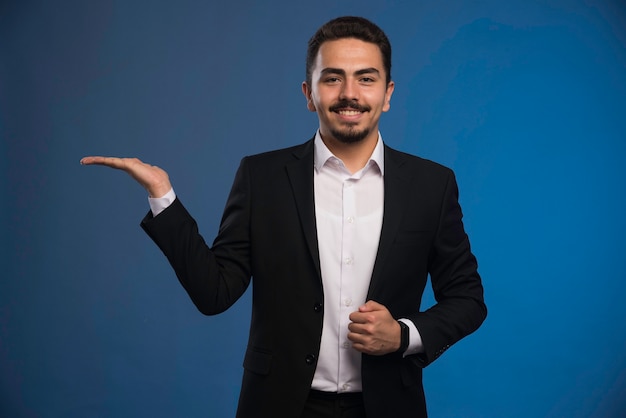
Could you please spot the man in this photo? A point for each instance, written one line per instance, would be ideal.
(339, 235)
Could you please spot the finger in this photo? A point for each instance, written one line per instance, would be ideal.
(361, 330)
(372, 348)
(371, 306)
(358, 317)
(360, 347)
(91, 160)
(357, 328)
(113, 162)
(357, 338)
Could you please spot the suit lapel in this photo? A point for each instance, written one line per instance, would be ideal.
(300, 173)
(396, 186)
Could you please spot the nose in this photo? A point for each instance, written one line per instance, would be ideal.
(349, 90)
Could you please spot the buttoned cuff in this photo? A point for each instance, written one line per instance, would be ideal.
(159, 204)
(415, 339)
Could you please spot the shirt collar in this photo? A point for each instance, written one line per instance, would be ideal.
(323, 154)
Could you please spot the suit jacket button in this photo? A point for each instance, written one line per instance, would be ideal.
(317, 307)
(310, 359)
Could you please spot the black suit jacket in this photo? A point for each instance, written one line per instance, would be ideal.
(268, 232)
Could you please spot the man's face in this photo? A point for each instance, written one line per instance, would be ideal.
(348, 90)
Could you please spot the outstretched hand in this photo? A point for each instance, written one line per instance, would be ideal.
(154, 179)
(373, 330)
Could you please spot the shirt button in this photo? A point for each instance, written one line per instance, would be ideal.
(350, 219)
(349, 261)
(317, 307)
(310, 359)
(346, 344)
(345, 386)
(347, 302)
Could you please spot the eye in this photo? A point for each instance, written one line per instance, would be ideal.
(331, 80)
(367, 80)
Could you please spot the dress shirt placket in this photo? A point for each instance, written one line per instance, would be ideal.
(347, 301)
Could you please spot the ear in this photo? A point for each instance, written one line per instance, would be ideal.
(388, 94)
(306, 90)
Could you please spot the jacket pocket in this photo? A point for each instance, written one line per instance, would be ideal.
(257, 361)
(411, 373)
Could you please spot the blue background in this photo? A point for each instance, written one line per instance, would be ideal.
(525, 100)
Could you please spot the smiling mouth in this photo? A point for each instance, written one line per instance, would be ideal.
(349, 108)
(349, 112)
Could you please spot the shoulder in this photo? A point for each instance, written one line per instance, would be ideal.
(410, 163)
(272, 165)
(282, 155)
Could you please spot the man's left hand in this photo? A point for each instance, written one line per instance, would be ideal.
(373, 330)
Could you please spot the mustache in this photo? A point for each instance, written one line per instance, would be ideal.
(349, 104)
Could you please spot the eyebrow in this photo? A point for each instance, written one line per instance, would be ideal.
(330, 70)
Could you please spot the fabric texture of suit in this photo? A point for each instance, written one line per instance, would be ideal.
(268, 233)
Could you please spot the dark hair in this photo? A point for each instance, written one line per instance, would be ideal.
(348, 27)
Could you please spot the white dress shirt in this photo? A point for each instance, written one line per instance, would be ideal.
(349, 216)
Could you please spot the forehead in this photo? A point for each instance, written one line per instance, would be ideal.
(349, 54)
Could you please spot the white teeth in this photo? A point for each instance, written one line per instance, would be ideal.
(349, 112)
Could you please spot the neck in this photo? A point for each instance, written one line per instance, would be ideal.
(354, 155)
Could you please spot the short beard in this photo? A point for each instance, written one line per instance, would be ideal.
(350, 135)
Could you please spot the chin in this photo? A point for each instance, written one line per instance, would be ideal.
(350, 136)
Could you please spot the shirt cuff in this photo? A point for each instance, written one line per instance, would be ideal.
(159, 204)
(415, 339)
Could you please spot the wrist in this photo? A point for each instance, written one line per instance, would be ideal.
(404, 337)
(159, 190)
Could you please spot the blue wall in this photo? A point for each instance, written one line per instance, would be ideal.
(525, 100)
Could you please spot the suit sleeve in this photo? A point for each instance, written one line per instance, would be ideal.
(213, 277)
(457, 287)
